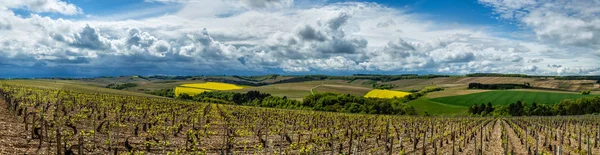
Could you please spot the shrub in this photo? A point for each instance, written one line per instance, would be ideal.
(586, 92)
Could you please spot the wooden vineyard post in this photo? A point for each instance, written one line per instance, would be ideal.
(80, 145)
(400, 142)
(546, 135)
(562, 138)
(58, 136)
(597, 134)
(424, 139)
(415, 141)
(266, 147)
(355, 149)
(400, 136)
(392, 146)
(453, 139)
(589, 149)
(433, 139)
(465, 140)
(281, 142)
(526, 143)
(537, 139)
(350, 143)
(579, 137)
(271, 147)
(434, 147)
(332, 146)
(481, 133)
(507, 141)
(475, 145)
(387, 138)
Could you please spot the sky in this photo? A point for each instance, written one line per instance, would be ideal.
(90, 38)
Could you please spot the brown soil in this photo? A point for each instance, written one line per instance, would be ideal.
(515, 143)
(12, 134)
(495, 140)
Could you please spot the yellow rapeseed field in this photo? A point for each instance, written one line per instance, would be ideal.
(214, 86)
(189, 91)
(378, 93)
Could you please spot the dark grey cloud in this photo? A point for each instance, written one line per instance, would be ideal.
(535, 60)
(554, 66)
(460, 57)
(398, 48)
(400, 45)
(344, 46)
(516, 58)
(89, 38)
(322, 41)
(309, 33)
(529, 69)
(337, 22)
(5, 26)
(267, 3)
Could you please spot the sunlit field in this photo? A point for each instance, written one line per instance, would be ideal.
(189, 91)
(214, 86)
(378, 93)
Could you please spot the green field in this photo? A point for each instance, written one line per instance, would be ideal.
(425, 104)
(506, 98)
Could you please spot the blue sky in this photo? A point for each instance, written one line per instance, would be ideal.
(464, 11)
(87, 38)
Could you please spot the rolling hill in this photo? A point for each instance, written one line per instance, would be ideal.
(505, 97)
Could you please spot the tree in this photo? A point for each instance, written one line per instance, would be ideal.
(489, 108)
(481, 109)
(586, 92)
(516, 109)
(185, 96)
(533, 109)
(473, 109)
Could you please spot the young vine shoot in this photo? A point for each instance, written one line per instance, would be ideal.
(72, 122)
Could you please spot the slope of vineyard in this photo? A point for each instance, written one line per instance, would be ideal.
(72, 85)
(342, 89)
(54, 121)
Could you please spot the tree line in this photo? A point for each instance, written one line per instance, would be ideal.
(383, 86)
(498, 86)
(578, 78)
(332, 102)
(581, 106)
(121, 86)
(481, 109)
(495, 75)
